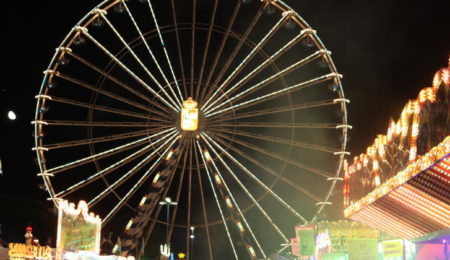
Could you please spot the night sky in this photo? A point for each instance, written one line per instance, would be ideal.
(386, 50)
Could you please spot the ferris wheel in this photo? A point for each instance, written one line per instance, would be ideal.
(230, 114)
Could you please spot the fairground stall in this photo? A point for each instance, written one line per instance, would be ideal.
(343, 240)
(401, 184)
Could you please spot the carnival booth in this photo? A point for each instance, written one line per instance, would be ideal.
(344, 240)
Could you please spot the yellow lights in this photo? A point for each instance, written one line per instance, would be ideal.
(207, 155)
(218, 180)
(391, 131)
(156, 177)
(375, 165)
(427, 94)
(22, 251)
(189, 115)
(436, 81)
(240, 226)
(426, 207)
(142, 201)
(129, 224)
(402, 135)
(422, 163)
(169, 155)
(377, 180)
(422, 205)
(252, 251)
(228, 201)
(69, 208)
(379, 219)
(442, 77)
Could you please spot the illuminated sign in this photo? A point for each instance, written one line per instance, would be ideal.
(28, 251)
(78, 230)
(392, 248)
(189, 115)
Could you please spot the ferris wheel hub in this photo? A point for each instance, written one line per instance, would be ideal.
(189, 115)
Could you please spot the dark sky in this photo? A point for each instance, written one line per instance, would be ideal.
(386, 50)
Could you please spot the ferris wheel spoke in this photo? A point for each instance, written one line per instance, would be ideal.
(205, 53)
(279, 140)
(101, 123)
(107, 93)
(72, 143)
(104, 108)
(110, 168)
(270, 170)
(228, 191)
(277, 156)
(271, 79)
(202, 195)
(249, 194)
(243, 63)
(258, 181)
(180, 185)
(275, 110)
(148, 48)
(217, 201)
(164, 49)
(140, 62)
(275, 94)
(106, 153)
(124, 67)
(189, 198)
(236, 50)
(283, 125)
(258, 69)
(133, 170)
(180, 56)
(194, 10)
(141, 181)
(118, 82)
(220, 50)
(159, 207)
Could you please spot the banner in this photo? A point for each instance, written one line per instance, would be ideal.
(363, 249)
(307, 241)
(393, 248)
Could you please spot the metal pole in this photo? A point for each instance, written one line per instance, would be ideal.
(167, 226)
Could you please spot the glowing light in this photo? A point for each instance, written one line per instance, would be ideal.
(189, 115)
(240, 226)
(142, 201)
(12, 115)
(217, 177)
(207, 155)
(129, 224)
(252, 251)
(169, 155)
(229, 204)
(155, 180)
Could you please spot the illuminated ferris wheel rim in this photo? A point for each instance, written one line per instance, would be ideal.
(208, 108)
